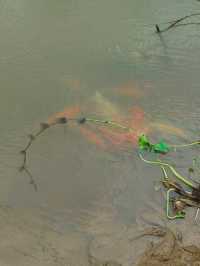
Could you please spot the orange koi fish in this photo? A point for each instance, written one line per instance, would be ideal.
(119, 139)
(168, 129)
(92, 137)
(101, 106)
(74, 84)
(113, 138)
(130, 89)
(69, 112)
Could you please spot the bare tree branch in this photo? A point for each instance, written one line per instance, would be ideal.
(177, 21)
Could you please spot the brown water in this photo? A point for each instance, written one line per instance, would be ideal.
(55, 54)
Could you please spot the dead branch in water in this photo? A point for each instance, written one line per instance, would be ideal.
(32, 138)
(175, 23)
(32, 181)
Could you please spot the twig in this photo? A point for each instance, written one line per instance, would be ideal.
(32, 181)
(189, 23)
(175, 22)
(32, 138)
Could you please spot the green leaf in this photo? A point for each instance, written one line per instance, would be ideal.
(144, 143)
(161, 147)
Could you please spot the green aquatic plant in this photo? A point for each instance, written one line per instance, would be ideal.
(180, 214)
(183, 197)
(172, 169)
(160, 147)
(144, 143)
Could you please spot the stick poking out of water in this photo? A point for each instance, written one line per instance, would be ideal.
(176, 23)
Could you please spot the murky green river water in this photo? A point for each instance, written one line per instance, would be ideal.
(55, 54)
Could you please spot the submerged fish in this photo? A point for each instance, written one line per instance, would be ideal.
(168, 129)
(130, 89)
(100, 105)
(68, 112)
(92, 137)
(134, 121)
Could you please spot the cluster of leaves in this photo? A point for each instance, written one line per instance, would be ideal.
(145, 144)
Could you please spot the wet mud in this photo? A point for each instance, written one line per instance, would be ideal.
(28, 238)
(169, 251)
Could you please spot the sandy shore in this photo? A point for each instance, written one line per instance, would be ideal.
(27, 239)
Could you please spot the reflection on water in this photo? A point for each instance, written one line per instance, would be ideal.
(105, 59)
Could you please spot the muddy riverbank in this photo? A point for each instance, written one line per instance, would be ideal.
(29, 238)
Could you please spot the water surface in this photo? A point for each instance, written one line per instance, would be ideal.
(63, 53)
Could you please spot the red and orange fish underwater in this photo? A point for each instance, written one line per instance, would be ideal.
(135, 123)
